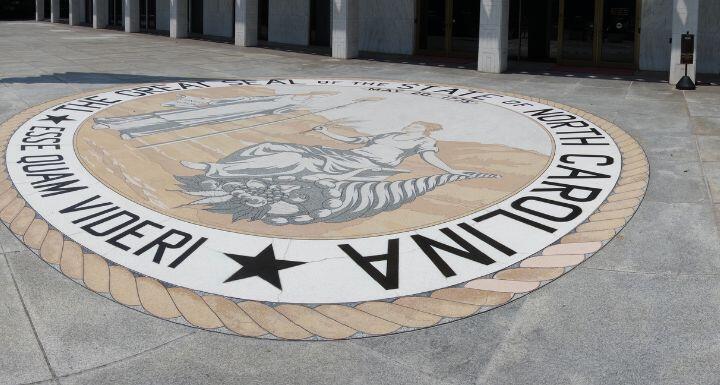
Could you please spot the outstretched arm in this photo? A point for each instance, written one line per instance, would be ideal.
(342, 138)
(432, 158)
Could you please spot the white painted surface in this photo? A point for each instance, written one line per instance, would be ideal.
(289, 21)
(218, 18)
(387, 27)
(493, 42)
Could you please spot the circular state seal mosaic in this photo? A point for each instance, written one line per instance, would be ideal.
(315, 209)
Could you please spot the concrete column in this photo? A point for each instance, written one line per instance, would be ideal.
(493, 44)
(131, 15)
(345, 28)
(685, 18)
(246, 22)
(178, 18)
(54, 11)
(100, 13)
(77, 12)
(39, 10)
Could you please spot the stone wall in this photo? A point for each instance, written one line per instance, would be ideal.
(387, 26)
(162, 20)
(218, 18)
(289, 21)
(708, 44)
(656, 24)
(655, 32)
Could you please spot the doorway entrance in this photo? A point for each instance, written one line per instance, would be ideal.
(64, 11)
(448, 27)
(599, 32)
(47, 9)
(196, 17)
(320, 23)
(263, 19)
(220, 17)
(148, 16)
(575, 32)
(88, 13)
(533, 30)
(115, 14)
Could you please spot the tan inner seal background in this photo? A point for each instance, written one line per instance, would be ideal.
(146, 175)
(338, 321)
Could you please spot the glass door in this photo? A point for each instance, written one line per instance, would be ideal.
(433, 26)
(578, 30)
(618, 31)
(599, 32)
(448, 27)
(115, 14)
(533, 30)
(148, 15)
(465, 26)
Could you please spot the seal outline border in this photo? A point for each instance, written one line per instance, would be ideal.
(330, 321)
(310, 301)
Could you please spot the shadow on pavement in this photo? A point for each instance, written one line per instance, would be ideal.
(704, 80)
(94, 78)
(307, 50)
(469, 63)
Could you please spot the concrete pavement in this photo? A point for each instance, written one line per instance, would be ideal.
(643, 310)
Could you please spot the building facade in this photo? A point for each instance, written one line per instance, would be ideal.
(635, 34)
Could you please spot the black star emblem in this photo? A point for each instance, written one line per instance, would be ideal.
(57, 119)
(264, 266)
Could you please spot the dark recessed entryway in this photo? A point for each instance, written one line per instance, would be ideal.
(575, 32)
(448, 27)
(64, 11)
(88, 14)
(263, 19)
(222, 15)
(115, 14)
(47, 8)
(320, 23)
